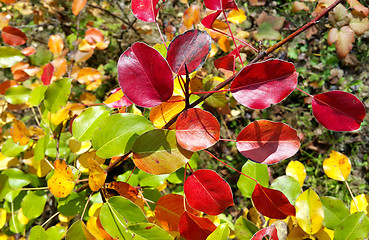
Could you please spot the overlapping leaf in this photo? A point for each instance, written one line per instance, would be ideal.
(259, 85)
(227, 62)
(145, 76)
(117, 99)
(162, 114)
(13, 36)
(47, 74)
(195, 228)
(270, 231)
(267, 142)
(145, 10)
(56, 44)
(206, 191)
(338, 111)
(354, 226)
(220, 4)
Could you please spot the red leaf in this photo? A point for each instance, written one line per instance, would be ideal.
(47, 74)
(145, 10)
(227, 62)
(195, 228)
(13, 36)
(145, 76)
(268, 142)
(197, 129)
(209, 20)
(268, 231)
(220, 4)
(190, 48)
(338, 111)
(259, 85)
(206, 191)
(117, 99)
(272, 203)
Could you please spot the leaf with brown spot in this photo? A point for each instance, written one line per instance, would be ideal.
(61, 184)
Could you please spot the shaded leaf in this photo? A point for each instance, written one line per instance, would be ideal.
(334, 211)
(17, 94)
(338, 111)
(5, 85)
(162, 114)
(267, 142)
(296, 170)
(38, 232)
(359, 25)
(123, 189)
(56, 44)
(33, 204)
(78, 230)
(261, 84)
(88, 75)
(62, 182)
(191, 16)
(19, 132)
(299, 6)
(255, 170)
(354, 226)
(244, 229)
(77, 6)
(192, 227)
(227, 62)
(345, 40)
(13, 36)
(145, 10)
(97, 176)
(355, 4)
(197, 129)
(337, 166)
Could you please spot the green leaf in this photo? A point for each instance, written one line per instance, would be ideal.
(41, 57)
(216, 100)
(40, 147)
(33, 204)
(267, 32)
(149, 231)
(11, 149)
(56, 95)
(37, 95)
(354, 226)
(17, 94)
(126, 208)
(244, 229)
(17, 178)
(64, 149)
(38, 233)
(9, 57)
(131, 177)
(289, 186)
(117, 133)
(85, 124)
(4, 186)
(15, 226)
(220, 233)
(257, 171)
(153, 195)
(334, 211)
(71, 205)
(150, 180)
(79, 231)
(56, 232)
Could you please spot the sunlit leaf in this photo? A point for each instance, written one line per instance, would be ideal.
(78, 230)
(270, 231)
(296, 170)
(354, 226)
(337, 166)
(56, 44)
(97, 175)
(362, 202)
(4, 18)
(359, 25)
(33, 204)
(77, 6)
(220, 4)
(17, 94)
(28, 51)
(162, 114)
(345, 40)
(38, 232)
(60, 65)
(206, 191)
(338, 111)
(6, 84)
(94, 35)
(224, 44)
(62, 182)
(47, 74)
(123, 189)
(309, 211)
(209, 20)
(57, 94)
(289, 186)
(145, 10)
(244, 229)
(255, 170)
(193, 227)
(9, 57)
(13, 36)
(335, 211)
(88, 75)
(117, 99)
(149, 231)
(227, 62)
(299, 6)
(236, 16)
(220, 233)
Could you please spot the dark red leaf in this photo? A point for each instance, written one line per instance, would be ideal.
(268, 231)
(13, 36)
(261, 84)
(268, 142)
(145, 76)
(195, 228)
(272, 203)
(197, 129)
(220, 4)
(190, 48)
(209, 20)
(47, 74)
(208, 192)
(145, 10)
(227, 62)
(338, 111)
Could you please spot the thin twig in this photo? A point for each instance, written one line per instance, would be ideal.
(108, 12)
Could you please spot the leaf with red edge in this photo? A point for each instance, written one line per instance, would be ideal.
(338, 110)
(209, 20)
(220, 4)
(227, 62)
(191, 49)
(13, 36)
(47, 74)
(192, 227)
(145, 76)
(268, 231)
(117, 99)
(355, 4)
(259, 85)
(272, 203)
(345, 40)
(197, 129)
(208, 192)
(268, 142)
(145, 10)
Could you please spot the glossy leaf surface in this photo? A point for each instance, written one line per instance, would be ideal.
(57, 94)
(192, 227)
(220, 4)
(309, 211)
(227, 62)
(145, 10)
(259, 85)
(47, 74)
(191, 49)
(149, 231)
(354, 226)
(267, 142)
(13, 36)
(272, 203)
(220, 233)
(296, 170)
(162, 114)
(62, 182)
(157, 152)
(145, 76)
(255, 170)
(337, 166)
(197, 129)
(338, 111)
(335, 211)
(206, 191)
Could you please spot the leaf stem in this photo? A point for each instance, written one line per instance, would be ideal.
(227, 140)
(161, 35)
(217, 91)
(352, 195)
(84, 209)
(48, 220)
(304, 92)
(241, 41)
(32, 189)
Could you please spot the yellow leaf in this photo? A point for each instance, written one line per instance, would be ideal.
(85, 46)
(21, 218)
(88, 75)
(362, 202)
(56, 44)
(19, 132)
(40, 168)
(103, 44)
(91, 225)
(337, 166)
(61, 183)
(95, 209)
(7, 162)
(237, 17)
(297, 234)
(219, 25)
(83, 159)
(4, 19)
(309, 211)
(213, 50)
(2, 217)
(36, 132)
(60, 116)
(296, 170)
(162, 114)
(79, 147)
(97, 175)
(87, 98)
(325, 234)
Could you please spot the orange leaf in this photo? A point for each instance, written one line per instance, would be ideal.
(224, 44)
(93, 36)
(56, 44)
(29, 51)
(97, 175)
(355, 4)
(19, 132)
(77, 6)
(61, 183)
(299, 6)
(88, 75)
(60, 65)
(80, 56)
(20, 75)
(8, 1)
(162, 114)
(332, 36)
(5, 85)
(4, 19)
(191, 16)
(123, 189)
(13, 36)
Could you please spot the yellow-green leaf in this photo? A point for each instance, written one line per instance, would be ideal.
(337, 166)
(296, 170)
(309, 211)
